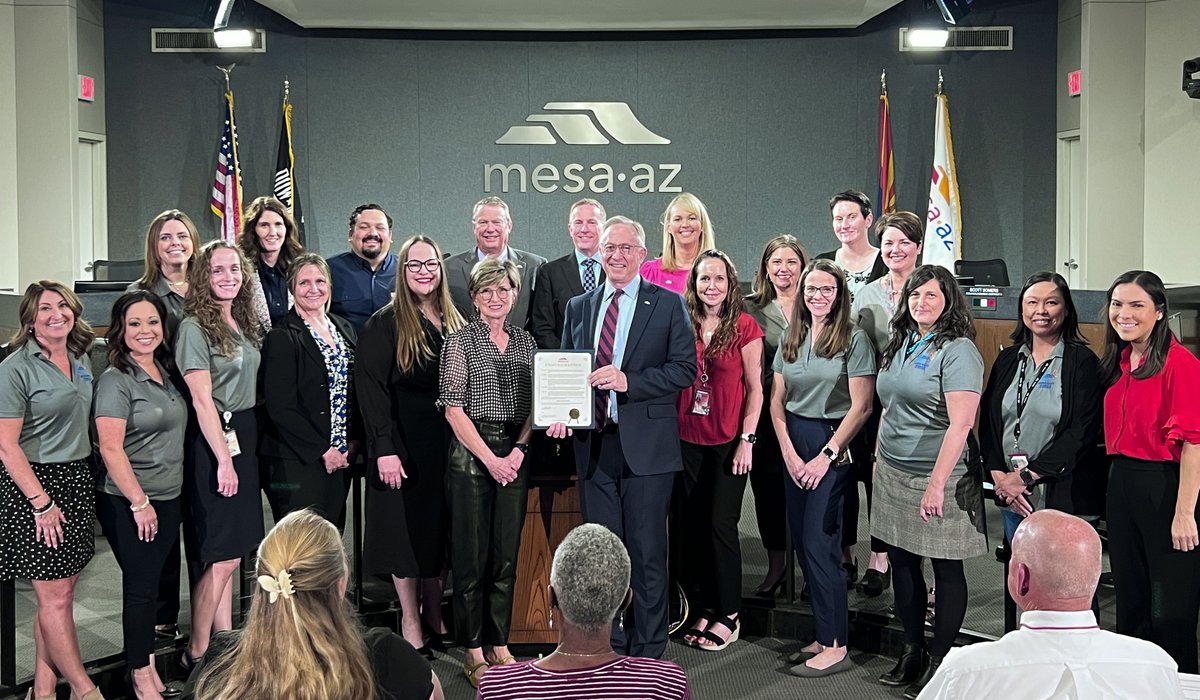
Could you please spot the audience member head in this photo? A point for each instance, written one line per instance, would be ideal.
(370, 232)
(901, 237)
(171, 241)
(1047, 311)
(932, 303)
(138, 327)
(217, 280)
(49, 314)
(1137, 315)
(268, 228)
(419, 281)
(712, 290)
(622, 250)
(1055, 562)
(301, 638)
(783, 259)
(686, 225)
(851, 214)
(491, 222)
(589, 579)
(583, 223)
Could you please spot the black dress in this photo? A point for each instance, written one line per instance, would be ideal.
(406, 529)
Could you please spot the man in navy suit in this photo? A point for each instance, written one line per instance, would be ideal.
(627, 465)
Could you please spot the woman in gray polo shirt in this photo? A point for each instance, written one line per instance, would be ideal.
(217, 352)
(927, 504)
(171, 245)
(824, 376)
(140, 422)
(47, 499)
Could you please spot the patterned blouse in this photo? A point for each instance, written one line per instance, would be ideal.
(487, 384)
(339, 365)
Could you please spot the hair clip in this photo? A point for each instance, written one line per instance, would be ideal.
(277, 587)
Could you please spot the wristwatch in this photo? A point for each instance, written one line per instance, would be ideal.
(749, 437)
(522, 446)
(828, 452)
(1027, 477)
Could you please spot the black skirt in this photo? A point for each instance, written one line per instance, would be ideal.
(71, 486)
(219, 528)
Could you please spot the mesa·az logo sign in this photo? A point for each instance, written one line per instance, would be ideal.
(582, 124)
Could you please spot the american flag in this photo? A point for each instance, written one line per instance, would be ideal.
(227, 183)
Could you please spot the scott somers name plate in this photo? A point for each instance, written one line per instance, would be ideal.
(561, 393)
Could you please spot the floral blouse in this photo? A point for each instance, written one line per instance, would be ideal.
(339, 365)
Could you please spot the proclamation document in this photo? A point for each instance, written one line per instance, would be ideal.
(561, 393)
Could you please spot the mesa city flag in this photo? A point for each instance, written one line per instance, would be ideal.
(227, 183)
(284, 187)
(887, 163)
(943, 232)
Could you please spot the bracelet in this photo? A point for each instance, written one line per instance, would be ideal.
(34, 498)
(43, 511)
(139, 509)
(522, 446)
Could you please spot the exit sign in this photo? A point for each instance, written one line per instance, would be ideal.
(87, 88)
(1074, 82)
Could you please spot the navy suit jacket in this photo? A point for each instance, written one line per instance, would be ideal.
(659, 361)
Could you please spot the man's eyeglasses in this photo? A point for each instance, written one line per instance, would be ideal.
(625, 249)
(415, 266)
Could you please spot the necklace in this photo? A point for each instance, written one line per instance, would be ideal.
(180, 283)
(581, 656)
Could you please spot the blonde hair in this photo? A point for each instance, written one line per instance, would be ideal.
(306, 645)
(411, 345)
(201, 303)
(691, 203)
(153, 270)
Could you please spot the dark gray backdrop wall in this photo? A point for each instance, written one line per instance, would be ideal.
(764, 128)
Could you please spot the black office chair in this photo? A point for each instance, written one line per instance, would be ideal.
(992, 272)
(117, 270)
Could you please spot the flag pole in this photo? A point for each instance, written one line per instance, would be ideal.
(883, 82)
(939, 90)
(227, 70)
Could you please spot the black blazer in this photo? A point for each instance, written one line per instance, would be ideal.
(557, 283)
(1075, 439)
(457, 270)
(295, 390)
(879, 269)
(659, 362)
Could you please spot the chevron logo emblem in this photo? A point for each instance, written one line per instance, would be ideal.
(582, 124)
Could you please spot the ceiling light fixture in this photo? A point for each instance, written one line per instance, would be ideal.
(227, 37)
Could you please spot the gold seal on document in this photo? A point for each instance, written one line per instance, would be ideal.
(574, 414)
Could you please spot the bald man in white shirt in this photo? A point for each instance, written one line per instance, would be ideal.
(1059, 651)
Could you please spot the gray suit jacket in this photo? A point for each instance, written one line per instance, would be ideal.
(458, 276)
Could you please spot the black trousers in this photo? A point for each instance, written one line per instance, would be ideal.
(485, 535)
(1157, 586)
(141, 565)
(704, 527)
(769, 504)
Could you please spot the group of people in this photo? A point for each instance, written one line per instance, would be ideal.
(235, 368)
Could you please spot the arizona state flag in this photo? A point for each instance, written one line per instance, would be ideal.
(943, 232)
(285, 169)
(226, 199)
(887, 164)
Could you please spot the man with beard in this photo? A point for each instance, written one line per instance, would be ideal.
(365, 276)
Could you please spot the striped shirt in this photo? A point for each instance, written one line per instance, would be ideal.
(627, 678)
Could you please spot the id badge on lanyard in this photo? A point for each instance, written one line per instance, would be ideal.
(702, 397)
(231, 436)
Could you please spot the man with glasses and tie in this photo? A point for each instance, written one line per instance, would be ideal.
(573, 274)
(645, 354)
(491, 222)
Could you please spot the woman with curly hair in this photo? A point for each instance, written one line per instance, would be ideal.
(47, 496)
(687, 230)
(269, 241)
(718, 415)
(927, 501)
(217, 353)
(302, 640)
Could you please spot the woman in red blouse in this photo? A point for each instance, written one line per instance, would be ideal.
(717, 418)
(1152, 429)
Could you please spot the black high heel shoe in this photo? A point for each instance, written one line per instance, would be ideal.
(915, 688)
(771, 591)
(908, 667)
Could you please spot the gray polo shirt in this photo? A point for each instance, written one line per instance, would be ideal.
(819, 387)
(1042, 410)
(234, 379)
(55, 409)
(913, 391)
(873, 313)
(770, 319)
(155, 418)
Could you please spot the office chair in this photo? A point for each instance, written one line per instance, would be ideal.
(114, 270)
(992, 272)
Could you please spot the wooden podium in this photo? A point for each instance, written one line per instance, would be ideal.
(553, 511)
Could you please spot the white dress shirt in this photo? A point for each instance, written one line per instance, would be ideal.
(1057, 656)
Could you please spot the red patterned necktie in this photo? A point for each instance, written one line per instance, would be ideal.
(604, 353)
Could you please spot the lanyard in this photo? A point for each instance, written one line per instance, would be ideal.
(914, 347)
(1025, 391)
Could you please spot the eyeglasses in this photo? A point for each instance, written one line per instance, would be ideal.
(489, 292)
(625, 249)
(823, 291)
(415, 266)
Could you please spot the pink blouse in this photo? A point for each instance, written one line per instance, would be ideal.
(653, 272)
